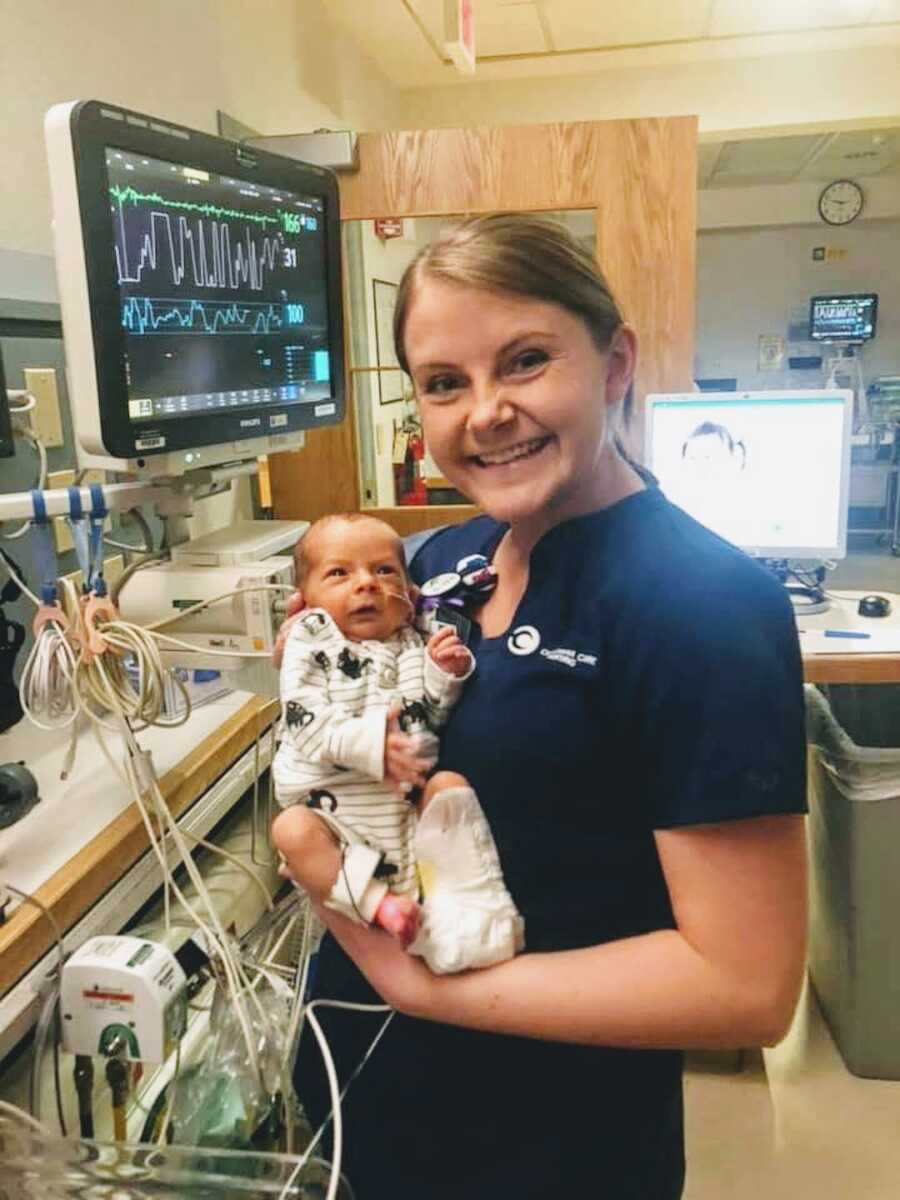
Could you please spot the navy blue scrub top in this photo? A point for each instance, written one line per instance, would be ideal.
(650, 679)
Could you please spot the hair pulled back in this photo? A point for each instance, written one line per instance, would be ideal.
(523, 255)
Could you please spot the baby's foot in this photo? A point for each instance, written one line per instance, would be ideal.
(399, 916)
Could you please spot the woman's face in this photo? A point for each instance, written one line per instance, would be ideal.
(513, 394)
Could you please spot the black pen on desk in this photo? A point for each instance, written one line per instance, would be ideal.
(846, 633)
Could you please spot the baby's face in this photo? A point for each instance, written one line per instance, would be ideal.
(355, 574)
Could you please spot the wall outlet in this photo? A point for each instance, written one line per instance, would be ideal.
(45, 419)
(64, 479)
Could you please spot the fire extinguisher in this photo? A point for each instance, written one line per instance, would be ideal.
(410, 481)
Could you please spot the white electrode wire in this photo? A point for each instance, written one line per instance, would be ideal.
(216, 938)
(16, 578)
(146, 535)
(47, 686)
(20, 1115)
(235, 861)
(41, 451)
(195, 608)
(17, 409)
(336, 1096)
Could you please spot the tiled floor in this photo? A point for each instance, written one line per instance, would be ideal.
(794, 1123)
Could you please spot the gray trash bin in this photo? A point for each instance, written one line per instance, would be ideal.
(854, 837)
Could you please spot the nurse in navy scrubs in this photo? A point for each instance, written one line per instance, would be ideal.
(634, 731)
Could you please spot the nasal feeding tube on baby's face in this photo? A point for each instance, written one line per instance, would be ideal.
(400, 596)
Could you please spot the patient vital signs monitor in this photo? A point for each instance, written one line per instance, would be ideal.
(768, 471)
(200, 285)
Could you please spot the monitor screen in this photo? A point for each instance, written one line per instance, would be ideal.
(222, 289)
(200, 286)
(768, 471)
(843, 318)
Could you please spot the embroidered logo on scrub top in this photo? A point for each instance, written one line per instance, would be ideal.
(524, 640)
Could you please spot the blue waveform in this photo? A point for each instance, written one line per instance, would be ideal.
(145, 315)
(202, 254)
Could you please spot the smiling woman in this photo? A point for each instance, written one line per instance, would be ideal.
(521, 366)
(635, 733)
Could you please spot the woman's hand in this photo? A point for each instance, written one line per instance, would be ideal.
(295, 606)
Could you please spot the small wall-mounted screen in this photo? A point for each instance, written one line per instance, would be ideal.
(222, 289)
(843, 318)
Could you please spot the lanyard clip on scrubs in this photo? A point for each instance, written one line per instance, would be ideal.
(45, 562)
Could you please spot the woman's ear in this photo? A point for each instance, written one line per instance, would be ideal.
(621, 364)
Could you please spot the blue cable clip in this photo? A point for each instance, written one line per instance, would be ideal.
(99, 513)
(78, 526)
(44, 548)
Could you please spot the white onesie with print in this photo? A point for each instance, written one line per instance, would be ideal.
(335, 696)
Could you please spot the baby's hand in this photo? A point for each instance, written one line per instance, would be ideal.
(445, 649)
(402, 764)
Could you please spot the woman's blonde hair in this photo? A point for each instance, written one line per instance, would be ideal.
(523, 255)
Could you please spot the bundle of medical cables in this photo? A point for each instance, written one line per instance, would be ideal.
(88, 663)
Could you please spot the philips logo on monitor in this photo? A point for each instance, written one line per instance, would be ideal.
(250, 423)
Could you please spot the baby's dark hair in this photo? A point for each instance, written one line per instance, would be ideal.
(302, 562)
(711, 429)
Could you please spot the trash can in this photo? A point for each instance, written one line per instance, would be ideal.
(854, 838)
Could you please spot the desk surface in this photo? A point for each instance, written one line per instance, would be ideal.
(85, 833)
(874, 659)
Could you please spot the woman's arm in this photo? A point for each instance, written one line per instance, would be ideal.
(727, 976)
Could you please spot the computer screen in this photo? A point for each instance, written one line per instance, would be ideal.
(200, 288)
(222, 290)
(843, 318)
(768, 471)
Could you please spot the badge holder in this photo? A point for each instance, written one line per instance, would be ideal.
(444, 598)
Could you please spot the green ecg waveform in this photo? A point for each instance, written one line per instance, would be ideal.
(130, 195)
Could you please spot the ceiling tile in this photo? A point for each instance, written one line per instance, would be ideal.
(574, 24)
(885, 10)
(707, 157)
(778, 158)
(501, 26)
(732, 17)
(394, 41)
(504, 28)
(858, 153)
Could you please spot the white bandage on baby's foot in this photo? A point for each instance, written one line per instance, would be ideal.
(357, 893)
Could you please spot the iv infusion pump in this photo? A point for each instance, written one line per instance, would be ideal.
(200, 287)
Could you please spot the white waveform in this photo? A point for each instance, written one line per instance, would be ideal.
(207, 253)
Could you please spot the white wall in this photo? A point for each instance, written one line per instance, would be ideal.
(789, 204)
(727, 95)
(385, 260)
(751, 281)
(281, 66)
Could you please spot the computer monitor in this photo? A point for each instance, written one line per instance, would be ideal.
(768, 471)
(843, 318)
(200, 286)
